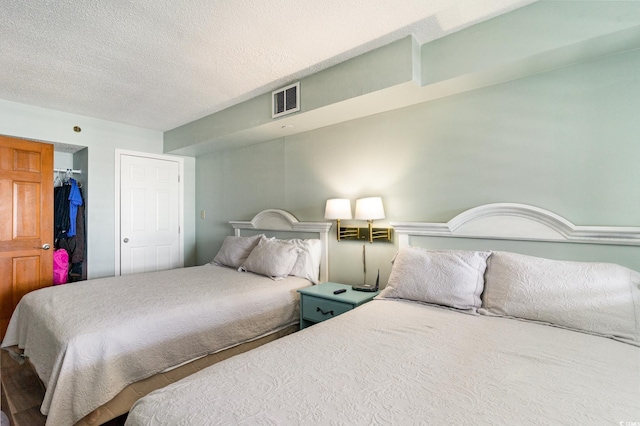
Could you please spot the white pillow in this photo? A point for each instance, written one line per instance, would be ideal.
(599, 298)
(451, 278)
(272, 258)
(308, 263)
(235, 250)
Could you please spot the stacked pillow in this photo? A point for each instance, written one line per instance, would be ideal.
(235, 250)
(272, 257)
(453, 278)
(597, 298)
(308, 262)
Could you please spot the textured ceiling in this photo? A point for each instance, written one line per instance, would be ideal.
(159, 64)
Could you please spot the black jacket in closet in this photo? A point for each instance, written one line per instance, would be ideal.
(61, 211)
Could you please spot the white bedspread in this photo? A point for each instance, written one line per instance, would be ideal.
(88, 340)
(402, 363)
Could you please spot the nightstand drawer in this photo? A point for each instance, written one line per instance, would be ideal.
(321, 302)
(316, 309)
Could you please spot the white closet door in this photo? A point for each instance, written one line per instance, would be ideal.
(149, 214)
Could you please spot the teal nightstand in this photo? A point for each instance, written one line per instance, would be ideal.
(318, 303)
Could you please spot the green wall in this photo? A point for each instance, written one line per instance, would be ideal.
(373, 71)
(564, 138)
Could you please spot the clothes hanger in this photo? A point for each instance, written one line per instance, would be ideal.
(57, 181)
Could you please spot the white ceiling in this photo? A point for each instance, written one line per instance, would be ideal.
(159, 64)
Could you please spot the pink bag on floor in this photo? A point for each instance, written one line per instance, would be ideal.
(60, 266)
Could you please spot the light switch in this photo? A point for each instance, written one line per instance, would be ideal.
(202, 214)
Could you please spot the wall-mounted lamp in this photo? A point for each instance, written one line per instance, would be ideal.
(371, 209)
(368, 209)
(337, 209)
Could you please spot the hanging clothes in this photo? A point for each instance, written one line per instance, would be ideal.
(75, 200)
(77, 261)
(69, 223)
(61, 211)
(76, 247)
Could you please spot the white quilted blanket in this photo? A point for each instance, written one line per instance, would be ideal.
(401, 363)
(89, 340)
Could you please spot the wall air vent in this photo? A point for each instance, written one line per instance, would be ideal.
(286, 100)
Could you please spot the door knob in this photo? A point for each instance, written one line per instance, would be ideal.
(45, 247)
(126, 240)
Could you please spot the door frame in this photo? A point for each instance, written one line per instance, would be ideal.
(118, 189)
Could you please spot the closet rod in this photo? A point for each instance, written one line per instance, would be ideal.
(68, 171)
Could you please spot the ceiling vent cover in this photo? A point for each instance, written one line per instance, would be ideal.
(286, 100)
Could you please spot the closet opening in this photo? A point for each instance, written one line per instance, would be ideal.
(70, 213)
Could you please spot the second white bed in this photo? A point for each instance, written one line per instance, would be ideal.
(397, 362)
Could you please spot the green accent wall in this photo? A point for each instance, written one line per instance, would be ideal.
(385, 67)
(561, 137)
(536, 30)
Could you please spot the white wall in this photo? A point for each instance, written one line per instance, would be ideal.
(62, 160)
(101, 138)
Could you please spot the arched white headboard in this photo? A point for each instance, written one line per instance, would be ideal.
(280, 220)
(513, 221)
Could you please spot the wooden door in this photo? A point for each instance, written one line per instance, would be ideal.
(26, 221)
(149, 214)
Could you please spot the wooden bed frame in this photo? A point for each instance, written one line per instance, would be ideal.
(22, 403)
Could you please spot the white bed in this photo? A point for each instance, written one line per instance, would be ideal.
(90, 340)
(531, 347)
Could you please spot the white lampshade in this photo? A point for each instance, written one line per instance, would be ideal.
(369, 208)
(338, 208)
